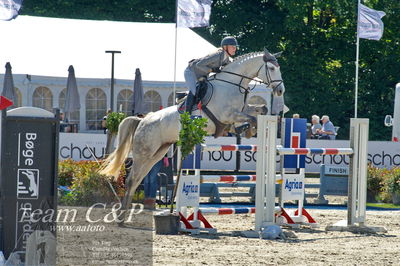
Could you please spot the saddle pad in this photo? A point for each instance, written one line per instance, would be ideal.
(204, 100)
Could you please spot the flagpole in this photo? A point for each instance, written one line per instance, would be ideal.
(176, 45)
(176, 41)
(356, 85)
(357, 56)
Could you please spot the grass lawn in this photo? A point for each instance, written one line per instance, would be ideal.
(383, 205)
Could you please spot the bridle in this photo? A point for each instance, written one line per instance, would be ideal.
(244, 90)
(268, 74)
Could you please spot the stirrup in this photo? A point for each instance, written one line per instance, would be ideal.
(239, 130)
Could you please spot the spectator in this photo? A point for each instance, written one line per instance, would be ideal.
(64, 127)
(296, 116)
(328, 129)
(315, 125)
(104, 121)
(151, 184)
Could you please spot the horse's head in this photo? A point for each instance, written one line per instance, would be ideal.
(271, 73)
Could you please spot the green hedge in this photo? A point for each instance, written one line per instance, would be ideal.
(383, 183)
(86, 184)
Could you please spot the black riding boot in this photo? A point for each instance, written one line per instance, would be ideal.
(189, 103)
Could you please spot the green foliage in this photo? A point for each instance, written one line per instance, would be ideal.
(86, 184)
(392, 181)
(122, 10)
(113, 121)
(66, 172)
(383, 182)
(192, 133)
(383, 205)
(375, 177)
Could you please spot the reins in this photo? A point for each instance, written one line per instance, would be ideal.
(242, 89)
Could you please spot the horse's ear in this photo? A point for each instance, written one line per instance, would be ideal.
(267, 55)
(278, 54)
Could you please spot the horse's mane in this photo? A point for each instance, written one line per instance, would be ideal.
(247, 56)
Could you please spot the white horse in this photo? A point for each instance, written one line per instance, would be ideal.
(149, 138)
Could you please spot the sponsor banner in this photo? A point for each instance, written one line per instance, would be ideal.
(383, 154)
(189, 191)
(82, 146)
(293, 186)
(28, 167)
(295, 137)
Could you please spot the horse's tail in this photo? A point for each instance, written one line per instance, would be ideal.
(126, 130)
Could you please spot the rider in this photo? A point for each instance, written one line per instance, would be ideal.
(198, 69)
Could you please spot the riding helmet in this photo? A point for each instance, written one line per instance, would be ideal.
(229, 40)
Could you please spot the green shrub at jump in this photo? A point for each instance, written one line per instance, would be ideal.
(113, 121)
(86, 184)
(191, 134)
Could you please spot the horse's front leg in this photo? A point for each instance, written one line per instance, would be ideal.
(240, 117)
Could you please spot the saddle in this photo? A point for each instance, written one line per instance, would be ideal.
(204, 93)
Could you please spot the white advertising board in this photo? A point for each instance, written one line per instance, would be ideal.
(76, 146)
(293, 186)
(380, 153)
(188, 192)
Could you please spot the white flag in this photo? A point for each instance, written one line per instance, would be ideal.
(369, 25)
(9, 9)
(193, 13)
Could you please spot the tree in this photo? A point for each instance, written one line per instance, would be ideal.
(122, 10)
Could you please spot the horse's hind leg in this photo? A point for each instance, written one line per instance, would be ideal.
(139, 170)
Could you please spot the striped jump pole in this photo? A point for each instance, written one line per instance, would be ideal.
(233, 147)
(226, 211)
(312, 151)
(228, 178)
(236, 210)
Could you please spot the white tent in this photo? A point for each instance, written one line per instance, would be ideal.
(47, 46)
